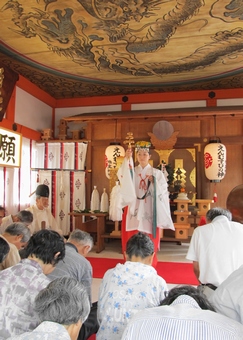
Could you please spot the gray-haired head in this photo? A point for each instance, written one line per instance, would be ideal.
(217, 211)
(81, 237)
(18, 228)
(64, 301)
(25, 217)
(139, 245)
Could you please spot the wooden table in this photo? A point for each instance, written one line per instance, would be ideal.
(85, 222)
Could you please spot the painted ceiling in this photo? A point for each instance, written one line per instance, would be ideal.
(85, 48)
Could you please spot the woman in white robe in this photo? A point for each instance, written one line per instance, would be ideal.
(144, 193)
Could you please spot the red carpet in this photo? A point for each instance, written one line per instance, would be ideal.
(172, 272)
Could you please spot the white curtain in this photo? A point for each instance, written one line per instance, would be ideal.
(68, 156)
(77, 189)
(63, 200)
(53, 155)
(11, 187)
(45, 177)
(81, 155)
(15, 183)
(25, 186)
(38, 155)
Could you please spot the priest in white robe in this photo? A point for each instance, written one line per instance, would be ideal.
(42, 216)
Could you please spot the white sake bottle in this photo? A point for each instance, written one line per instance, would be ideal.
(104, 202)
(95, 200)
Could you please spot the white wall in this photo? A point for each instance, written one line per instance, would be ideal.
(230, 102)
(31, 112)
(170, 105)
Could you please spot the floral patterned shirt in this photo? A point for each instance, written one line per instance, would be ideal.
(124, 291)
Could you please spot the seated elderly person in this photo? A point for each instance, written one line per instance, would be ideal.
(216, 248)
(62, 307)
(17, 235)
(128, 288)
(75, 265)
(184, 314)
(23, 216)
(20, 284)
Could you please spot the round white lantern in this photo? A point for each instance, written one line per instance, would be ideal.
(215, 161)
(112, 153)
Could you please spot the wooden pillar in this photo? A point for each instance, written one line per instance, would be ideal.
(88, 175)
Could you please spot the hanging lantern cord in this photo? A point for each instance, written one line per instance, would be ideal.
(115, 129)
(214, 126)
(215, 138)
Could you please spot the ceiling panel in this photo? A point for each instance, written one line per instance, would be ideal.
(91, 48)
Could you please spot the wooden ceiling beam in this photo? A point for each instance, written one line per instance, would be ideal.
(189, 113)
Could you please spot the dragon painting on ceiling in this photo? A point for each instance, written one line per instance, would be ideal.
(136, 42)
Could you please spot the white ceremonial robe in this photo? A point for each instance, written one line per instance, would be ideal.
(134, 185)
(42, 215)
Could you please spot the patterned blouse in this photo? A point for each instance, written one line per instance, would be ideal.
(124, 291)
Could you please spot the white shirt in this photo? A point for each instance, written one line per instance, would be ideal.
(182, 320)
(228, 297)
(218, 248)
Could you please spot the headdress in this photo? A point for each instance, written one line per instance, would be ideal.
(42, 190)
(142, 145)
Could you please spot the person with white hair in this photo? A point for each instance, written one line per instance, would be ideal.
(62, 307)
(216, 249)
(23, 216)
(17, 235)
(76, 265)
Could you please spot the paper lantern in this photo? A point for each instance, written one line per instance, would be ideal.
(215, 161)
(112, 152)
